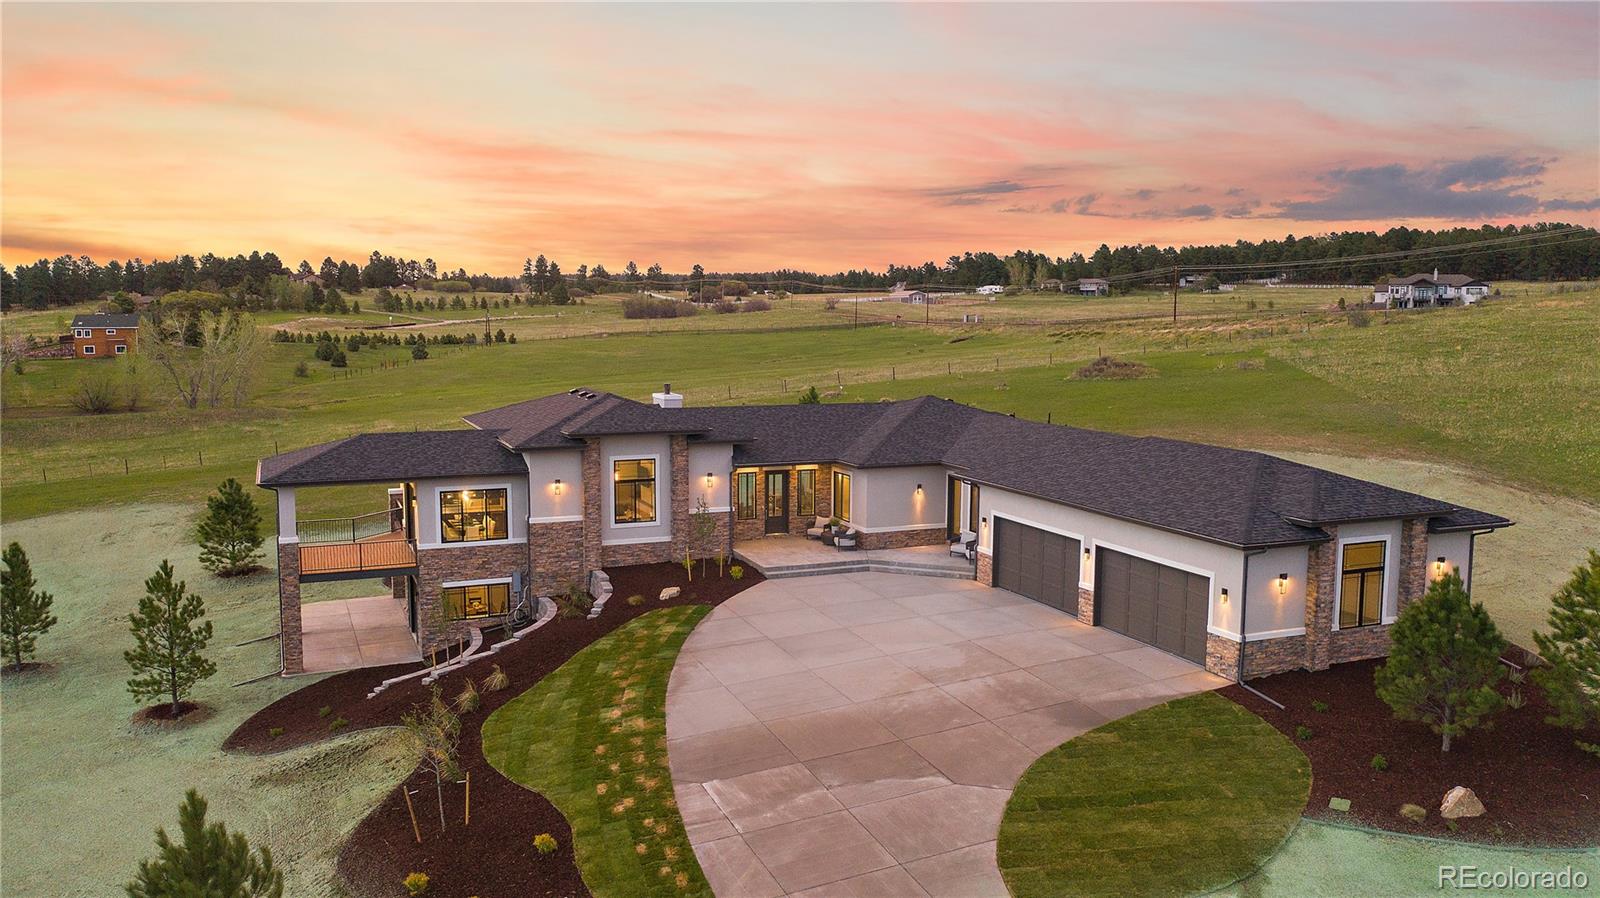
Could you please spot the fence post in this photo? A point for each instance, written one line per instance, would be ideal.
(202, 454)
(125, 465)
(891, 372)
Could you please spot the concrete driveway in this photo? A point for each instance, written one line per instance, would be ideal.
(859, 734)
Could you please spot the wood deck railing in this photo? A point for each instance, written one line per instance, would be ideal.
(386, 552)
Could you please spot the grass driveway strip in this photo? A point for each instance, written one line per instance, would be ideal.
(592, 738)
(1181, 798)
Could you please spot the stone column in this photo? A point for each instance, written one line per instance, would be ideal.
(1320, 575)
(289, 633)
(593, 499)
(1413, 562)
(679, 474)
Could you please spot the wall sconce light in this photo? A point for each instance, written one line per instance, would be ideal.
(709, 480)
(1224, 595)
(557, 486)
(919, 489)
(1283, 584)
(1439, 566)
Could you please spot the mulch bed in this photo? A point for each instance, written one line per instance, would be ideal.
(495, 855)
(160, 716)
(1539, 789)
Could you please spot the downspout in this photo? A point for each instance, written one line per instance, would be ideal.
(1244, 606)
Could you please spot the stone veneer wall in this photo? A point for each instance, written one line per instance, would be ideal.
(1262, 658)
(1086, 606)
(557, 550)
(756, 527)
(437, 566)
(903, 539)
(986, 570)
(290, 645)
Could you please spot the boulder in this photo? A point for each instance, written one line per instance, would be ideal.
(1460, 802)
(670, 592)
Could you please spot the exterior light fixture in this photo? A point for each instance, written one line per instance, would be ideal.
(919, 489)
(1224, 595)
(1439, 567)
(557, 486)
(709, 480)
(1283, 584)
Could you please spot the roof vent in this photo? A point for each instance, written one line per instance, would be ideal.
(666, 398)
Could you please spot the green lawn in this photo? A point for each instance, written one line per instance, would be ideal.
(1178, 799)
(592, 738)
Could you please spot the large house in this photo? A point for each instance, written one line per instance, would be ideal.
(1422, 290)
(105, 335)
(1089, 286)
(1181, 545)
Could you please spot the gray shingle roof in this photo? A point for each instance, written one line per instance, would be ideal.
(107, 319)
(1232, 496)
(391, 457)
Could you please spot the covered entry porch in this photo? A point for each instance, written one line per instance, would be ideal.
(343, 634)
(785, 555)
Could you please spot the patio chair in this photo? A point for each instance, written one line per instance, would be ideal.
(815, 531)
(964, 546)
(846, 541)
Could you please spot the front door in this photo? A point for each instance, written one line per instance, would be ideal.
(777, 501)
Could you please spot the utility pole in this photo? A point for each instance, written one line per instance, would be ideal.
(1174, 296)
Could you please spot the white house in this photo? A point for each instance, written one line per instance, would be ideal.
(990, 289)
(1422, 290)
(1093, 286)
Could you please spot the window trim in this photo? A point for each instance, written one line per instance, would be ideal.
(655, 481)
(438, 512)
(799, 509)
(468, 584)
(972, 511)
(1383, 585)
(849, 493)
(88, 349)
(743, 512)
(111, 331)
(120, 349)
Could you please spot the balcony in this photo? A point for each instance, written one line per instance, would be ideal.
(371, 545)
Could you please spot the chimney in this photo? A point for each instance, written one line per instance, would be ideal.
(1436, 272)
(666, 398)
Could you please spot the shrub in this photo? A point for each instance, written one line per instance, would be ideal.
(1108, 368)
(575, 602)
(635, 600)
(419, 352)
(301, 369)
(469, 699)
(497, 680)
(724, 306)
(416, 883)
(325, 350)
(1444, 662)
(1379, 763)
(736, 572)
(1303, 732)
(337, 724)
(1358, 317)
(831, 303)
(650, 307)
(275, 732)
(810, 397)
(1321, 707)
(1416, 813)
(96, 392)
(339, 360)
(545, 843)
(324, 711)
(756, 305)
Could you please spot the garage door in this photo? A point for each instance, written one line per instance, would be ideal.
(1036, 563)
(1153, 603)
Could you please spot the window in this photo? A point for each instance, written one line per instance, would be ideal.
(1361, 585)
(482, 600)
(634, 481)
(972, 508)
(121, 348)
(469, 516)
(805, 488)
(745, 498)
(111, 332)
(88, 350)
(841, 495)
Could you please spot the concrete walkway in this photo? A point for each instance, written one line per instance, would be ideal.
(859, 734)
(348, 633)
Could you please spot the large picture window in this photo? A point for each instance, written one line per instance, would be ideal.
(841, 495)
(805, 489)
(744, 499)
(972, 507)
(469, 516)
(483, 600)
(1361, 585)
(634, 480)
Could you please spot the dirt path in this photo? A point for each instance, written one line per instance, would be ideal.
(1517, 569)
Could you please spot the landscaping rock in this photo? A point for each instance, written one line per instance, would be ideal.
(1338, 804)
(1460, 802)
(670, 592)
(1416, 813)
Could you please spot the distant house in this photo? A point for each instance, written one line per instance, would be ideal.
(1424, 290)
(312, 279)
(1192, 280)
(990, 289)
(1091, 287)
(902, 293)
(104, 335)
(1050, 284)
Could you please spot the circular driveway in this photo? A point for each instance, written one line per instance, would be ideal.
(859, 734)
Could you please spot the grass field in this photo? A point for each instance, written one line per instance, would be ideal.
(1149, 805)
(84, 790)
(591, 737)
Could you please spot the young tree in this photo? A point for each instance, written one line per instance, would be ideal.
(166, 655)
(230, 534)
(210, 862)
(435, 731)
(811, 396)
(24, 611)
(1444, 662)
(703, 527)
(1571, 679)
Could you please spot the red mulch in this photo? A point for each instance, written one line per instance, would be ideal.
(1538, 788)
(495, 855)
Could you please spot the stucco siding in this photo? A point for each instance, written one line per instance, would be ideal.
(887, 498)
(546, 505)
(623, 447)
(428, 506)
(1369, 531)
(715, 459)
(1456, 549)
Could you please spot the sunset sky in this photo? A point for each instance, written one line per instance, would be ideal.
(816, 136)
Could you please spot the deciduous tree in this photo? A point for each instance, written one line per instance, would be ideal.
(435, 733)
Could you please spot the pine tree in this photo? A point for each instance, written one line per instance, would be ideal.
(166, 656)
(1571, 679)
(210, 862)
(230, 534)
(24, 611)
(811, 397)
(1444, 662)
